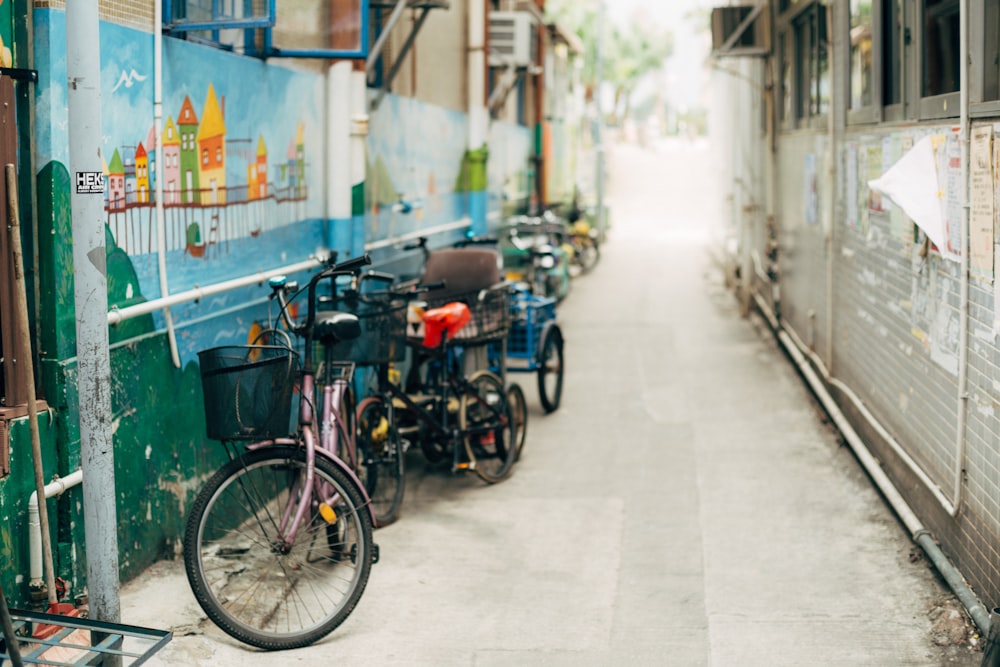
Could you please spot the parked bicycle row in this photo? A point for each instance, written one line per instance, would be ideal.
(318, 411)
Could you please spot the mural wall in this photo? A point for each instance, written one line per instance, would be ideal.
(243, 191)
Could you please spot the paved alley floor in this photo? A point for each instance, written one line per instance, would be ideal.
(686, 506)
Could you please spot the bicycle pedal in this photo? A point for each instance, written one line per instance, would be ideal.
(328, 513)
(465, 466)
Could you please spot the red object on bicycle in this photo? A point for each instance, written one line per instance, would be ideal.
(444, 321)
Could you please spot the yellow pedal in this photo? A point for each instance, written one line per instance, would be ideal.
(463, 466)
(327, 513)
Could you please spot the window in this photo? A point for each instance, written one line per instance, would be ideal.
(862, 69)
(991, 51)
(812, 94)
(803, 62)
(939, 58)
(265, 28)
(892, 49)
(785, 77)
(940, 47)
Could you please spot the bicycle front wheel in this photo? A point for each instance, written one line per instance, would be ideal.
(380, 458)
(258, 583)
(487, 425)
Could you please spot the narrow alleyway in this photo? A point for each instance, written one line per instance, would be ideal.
(686, 506)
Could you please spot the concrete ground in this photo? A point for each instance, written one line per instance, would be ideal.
(687, 505)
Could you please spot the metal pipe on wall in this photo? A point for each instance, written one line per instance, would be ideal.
(83, 68)
(161, 232)
(962, 408)
(918, 533)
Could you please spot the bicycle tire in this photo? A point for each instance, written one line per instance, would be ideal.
(550, 369)
(487, 422)
(252, 585)
(519, 409)
(380, 458)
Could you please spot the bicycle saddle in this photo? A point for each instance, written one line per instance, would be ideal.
(444, 322)
(335, 326)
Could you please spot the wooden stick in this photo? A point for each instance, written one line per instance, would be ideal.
(24, 355)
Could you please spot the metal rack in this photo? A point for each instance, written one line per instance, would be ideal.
(72, 641)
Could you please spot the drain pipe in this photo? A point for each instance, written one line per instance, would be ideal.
(918, 533)
(52, 489)
(962, 398)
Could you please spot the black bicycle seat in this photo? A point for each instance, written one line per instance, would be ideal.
(334, 326)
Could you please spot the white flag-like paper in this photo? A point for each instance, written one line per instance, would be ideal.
(912, 184)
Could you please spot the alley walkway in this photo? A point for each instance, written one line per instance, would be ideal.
(686, 506)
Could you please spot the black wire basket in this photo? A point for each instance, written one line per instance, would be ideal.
(383, 334)
(490, 314)
(248, 391)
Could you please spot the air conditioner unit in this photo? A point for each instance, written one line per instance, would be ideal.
(512, 39)
(739, 30)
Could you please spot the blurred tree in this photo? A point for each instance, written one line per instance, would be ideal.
(630, 53)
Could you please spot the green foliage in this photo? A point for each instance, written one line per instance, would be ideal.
(630, 52)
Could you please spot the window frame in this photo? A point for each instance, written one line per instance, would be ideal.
(788, 20)
(871, 112)
(978, 104)
(941, 105)
(174, 25)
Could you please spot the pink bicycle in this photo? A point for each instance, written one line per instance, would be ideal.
(278, 545)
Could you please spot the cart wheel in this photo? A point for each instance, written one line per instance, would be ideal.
(550, 368)
(519, 408)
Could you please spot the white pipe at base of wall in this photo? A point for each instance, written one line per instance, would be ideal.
(52, 489)
(918, 533)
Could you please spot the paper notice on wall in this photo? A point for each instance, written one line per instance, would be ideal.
(851, 184)
(810, 194)
(912, 184)
(981, 202)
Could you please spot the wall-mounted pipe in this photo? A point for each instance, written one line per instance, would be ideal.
(54, 488)
(962, 407)
(122, 314)
(918, 533)
(161, 225)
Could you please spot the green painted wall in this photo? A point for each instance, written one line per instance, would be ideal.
(161, 454)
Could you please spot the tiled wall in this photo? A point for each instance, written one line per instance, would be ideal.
(129, 13)
(893, 323)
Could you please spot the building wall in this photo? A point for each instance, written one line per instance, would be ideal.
(893, 325)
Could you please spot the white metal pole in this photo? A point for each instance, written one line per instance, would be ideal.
(338, 142)
(478, 117)
(359, 157)
(83, 68)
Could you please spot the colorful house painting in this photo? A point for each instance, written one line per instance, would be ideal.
(257, 173)
(116, 182)
(171, 163)
(141, 174)
(150, 144)
(300, 161)
(128, 159)
(212, 151)
(187, 126)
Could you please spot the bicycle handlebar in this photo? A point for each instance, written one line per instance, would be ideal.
(279, 285)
